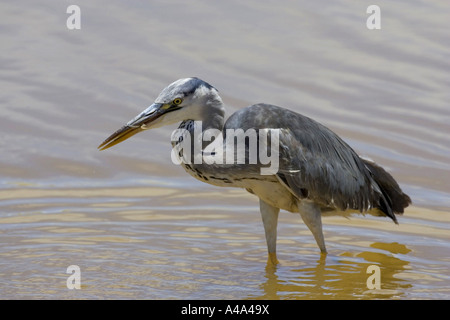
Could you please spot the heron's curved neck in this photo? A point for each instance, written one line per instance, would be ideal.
(213, 117)
(198, 134)
(211, 123)
(210, 118)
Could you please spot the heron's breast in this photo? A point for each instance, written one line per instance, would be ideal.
(273, 193)
(268, 188)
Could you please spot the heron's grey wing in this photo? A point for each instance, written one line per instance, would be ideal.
(314, 163)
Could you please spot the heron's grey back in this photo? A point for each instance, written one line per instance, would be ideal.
(314, 162)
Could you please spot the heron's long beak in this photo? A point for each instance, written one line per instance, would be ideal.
(141, 122)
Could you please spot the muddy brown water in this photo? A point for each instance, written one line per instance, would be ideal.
(138, 226)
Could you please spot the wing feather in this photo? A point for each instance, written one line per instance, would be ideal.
(314, 162)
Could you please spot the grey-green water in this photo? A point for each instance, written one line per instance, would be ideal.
(137, 225)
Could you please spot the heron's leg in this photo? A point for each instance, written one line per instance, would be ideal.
(269, 216)
(312, 217)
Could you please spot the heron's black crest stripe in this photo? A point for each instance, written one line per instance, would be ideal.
(193, 84)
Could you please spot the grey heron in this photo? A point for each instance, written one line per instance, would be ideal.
(318, 173)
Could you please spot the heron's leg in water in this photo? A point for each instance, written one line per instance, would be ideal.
(269, 216)
(312, 217)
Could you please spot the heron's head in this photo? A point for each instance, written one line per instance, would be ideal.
(184, 99)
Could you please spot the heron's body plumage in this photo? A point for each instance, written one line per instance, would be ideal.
(318, 173)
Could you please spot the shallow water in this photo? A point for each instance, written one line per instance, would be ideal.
(138, 226)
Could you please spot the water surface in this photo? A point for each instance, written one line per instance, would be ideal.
(140, 228)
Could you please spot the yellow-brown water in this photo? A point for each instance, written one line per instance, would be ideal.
(137, 225)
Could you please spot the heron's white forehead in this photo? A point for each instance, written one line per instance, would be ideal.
(184, 85)
(180, 82)
(182, 88)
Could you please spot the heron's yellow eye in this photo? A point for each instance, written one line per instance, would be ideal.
(177, 101)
